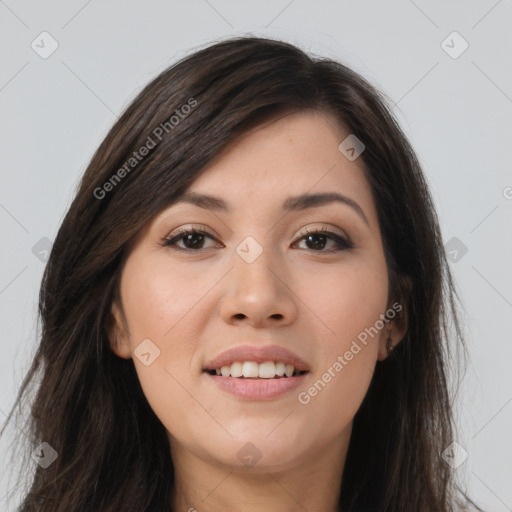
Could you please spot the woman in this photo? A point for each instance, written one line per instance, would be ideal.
(247, 300)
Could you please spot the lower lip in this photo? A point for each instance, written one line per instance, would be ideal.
(257, 389)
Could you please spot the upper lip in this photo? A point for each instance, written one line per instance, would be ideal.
(258, 354)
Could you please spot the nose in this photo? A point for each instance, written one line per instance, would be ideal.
(259, 293)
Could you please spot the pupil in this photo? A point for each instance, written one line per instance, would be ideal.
(317, 235)
(191, 242)
(190, 237)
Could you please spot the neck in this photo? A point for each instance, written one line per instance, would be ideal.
(311, 483)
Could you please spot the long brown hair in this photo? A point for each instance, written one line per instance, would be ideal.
(113, 452)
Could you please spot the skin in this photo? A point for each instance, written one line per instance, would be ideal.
(193, 306)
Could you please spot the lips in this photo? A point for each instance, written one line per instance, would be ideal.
(258, 354)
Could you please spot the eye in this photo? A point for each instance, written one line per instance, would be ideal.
(192, 239)
(319, 237)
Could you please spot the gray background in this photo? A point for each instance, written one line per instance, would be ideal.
(456, 112)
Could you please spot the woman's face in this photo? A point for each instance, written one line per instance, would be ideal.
(258, 278)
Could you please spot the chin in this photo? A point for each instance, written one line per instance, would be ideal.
(255, 452)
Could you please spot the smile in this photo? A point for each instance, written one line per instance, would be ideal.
(251, 369)
(257, 372)
(256, 388)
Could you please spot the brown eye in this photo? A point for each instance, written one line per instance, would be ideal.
(193, 239)
(317, 240)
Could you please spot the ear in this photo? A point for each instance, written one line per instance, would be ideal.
(396, 327)
(117, 332)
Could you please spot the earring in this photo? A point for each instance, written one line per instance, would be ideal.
(389, 345)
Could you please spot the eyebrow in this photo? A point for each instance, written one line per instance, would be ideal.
(291, 204)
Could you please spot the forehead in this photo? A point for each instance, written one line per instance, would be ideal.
(292, 155)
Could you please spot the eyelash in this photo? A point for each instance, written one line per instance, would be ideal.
(344, 243)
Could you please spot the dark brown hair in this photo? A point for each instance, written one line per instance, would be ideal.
(113, 452)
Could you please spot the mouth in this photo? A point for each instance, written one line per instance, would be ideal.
(251, 370)
(257, 372)
(257, 389)
(256, 361)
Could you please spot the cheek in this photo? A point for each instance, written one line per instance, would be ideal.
(159, 306)
(349, 303)
(346, 298)
(159, 301)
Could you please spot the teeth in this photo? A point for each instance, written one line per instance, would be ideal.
(236, 369)
(251, 369)
(267, 370)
